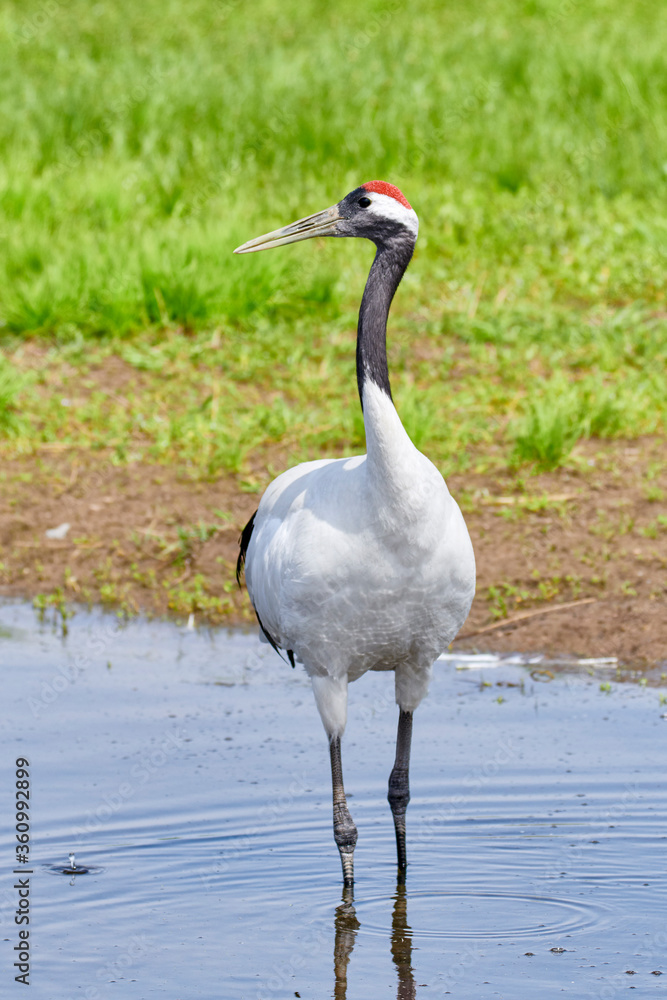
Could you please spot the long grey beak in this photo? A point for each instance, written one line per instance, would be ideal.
(320, 224)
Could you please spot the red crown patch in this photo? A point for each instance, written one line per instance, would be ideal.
(382, 187)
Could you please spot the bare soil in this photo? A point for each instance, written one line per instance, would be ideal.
(148, 539)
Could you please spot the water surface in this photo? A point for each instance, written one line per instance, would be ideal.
(190, 771)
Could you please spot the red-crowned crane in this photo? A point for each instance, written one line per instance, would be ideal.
(364, 563)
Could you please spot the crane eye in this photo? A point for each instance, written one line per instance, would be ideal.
(364, 202)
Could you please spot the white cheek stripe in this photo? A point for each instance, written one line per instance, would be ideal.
(386, 207)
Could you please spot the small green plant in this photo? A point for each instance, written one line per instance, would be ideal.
(603, 413)
(549, 588)
(549, 430)
(61, 612)
(193, 596)
(11, 384)
(193, 537)
(499, 604)
(108, 593)
(503, 596)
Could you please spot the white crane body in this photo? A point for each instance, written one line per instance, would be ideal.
(363, 563)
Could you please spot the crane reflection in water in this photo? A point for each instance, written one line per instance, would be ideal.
(346, 926)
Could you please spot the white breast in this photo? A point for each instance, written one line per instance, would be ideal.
(364, 563)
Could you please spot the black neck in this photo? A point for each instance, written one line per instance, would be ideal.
(386, 272)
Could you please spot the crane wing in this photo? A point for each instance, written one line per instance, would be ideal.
(244, 541)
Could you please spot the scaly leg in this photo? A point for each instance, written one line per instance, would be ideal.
(345, 832)
(399, 784)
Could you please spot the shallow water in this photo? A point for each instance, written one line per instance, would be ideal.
(190, 772)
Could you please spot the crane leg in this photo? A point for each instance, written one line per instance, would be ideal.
(345, 832)
(399, 784)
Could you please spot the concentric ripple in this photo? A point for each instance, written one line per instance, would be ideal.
(462, 914)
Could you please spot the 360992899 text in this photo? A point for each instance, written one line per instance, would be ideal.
(22, 885)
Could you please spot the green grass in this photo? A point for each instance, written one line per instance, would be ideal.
(142, 143)
(11, 384)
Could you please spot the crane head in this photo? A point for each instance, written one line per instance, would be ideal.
(376, 211)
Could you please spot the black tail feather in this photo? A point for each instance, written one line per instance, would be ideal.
(244, 541)
(272, 642)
